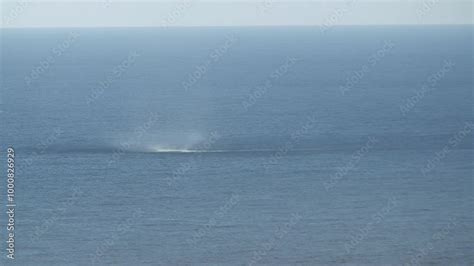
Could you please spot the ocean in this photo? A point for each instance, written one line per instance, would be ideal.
(350, 145)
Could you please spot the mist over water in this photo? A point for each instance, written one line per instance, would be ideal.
(352, 146)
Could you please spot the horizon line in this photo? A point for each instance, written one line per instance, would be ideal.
(234, 26)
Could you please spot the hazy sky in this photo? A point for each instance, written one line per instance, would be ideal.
(114, 13)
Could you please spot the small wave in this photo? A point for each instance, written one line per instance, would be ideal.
(149, 150)
(174, 151)
(223, 151)
(248, 146)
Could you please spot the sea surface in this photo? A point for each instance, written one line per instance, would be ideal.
(239, 146)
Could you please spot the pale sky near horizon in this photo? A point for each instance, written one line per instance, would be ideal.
(119, 13)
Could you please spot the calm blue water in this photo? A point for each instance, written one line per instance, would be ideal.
(232, 146)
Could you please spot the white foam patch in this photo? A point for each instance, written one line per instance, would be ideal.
(172, 150)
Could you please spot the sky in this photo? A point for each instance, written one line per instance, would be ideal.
(173, 13)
